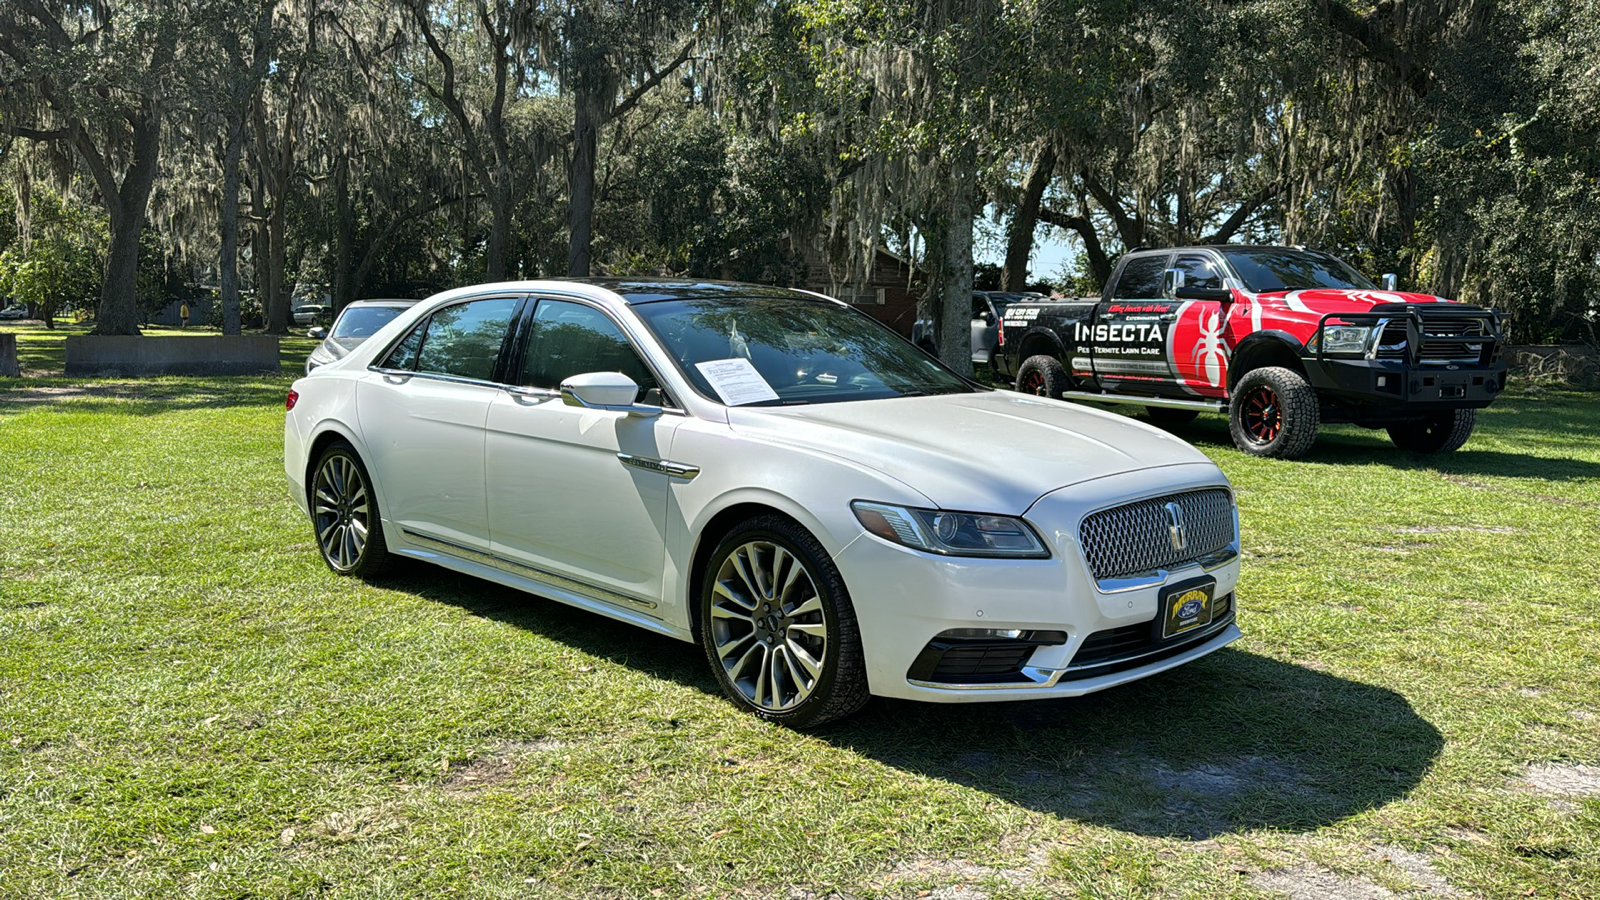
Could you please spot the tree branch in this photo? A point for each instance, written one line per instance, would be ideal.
(649, 84)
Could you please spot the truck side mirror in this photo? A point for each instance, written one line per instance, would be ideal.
(1389, 281)
(1171, 283)
(1196, 292)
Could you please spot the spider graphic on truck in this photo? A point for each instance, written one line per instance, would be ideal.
(1281, 339)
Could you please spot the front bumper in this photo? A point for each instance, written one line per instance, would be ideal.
(1405, 388)
(905, 600)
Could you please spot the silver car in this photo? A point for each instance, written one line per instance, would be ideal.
(359, 321)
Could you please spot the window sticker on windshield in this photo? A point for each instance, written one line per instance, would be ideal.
(736, 381)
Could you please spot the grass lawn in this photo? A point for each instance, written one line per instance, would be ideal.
(192, 705)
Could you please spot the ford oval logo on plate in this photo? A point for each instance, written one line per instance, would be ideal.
(1186, 607)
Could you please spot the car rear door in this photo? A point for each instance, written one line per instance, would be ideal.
(1127, 337)
(580, 494)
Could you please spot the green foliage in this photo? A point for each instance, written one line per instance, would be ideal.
(56, 265)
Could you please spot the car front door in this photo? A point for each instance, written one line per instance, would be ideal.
(1196, 345)
(423, 409)
(579, 493)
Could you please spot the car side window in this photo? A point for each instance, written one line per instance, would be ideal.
(404, 354)
(570, 339)
(463, 340)
(1200, 272)
(980, 306)
(1141, 279)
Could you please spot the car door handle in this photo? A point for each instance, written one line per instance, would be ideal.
(529, 395)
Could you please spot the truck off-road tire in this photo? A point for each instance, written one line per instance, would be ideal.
(1274, 413)
(1439, 432)
(1167, 417)
(1043, 375)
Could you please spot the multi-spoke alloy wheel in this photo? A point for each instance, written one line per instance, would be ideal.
(1263, 418)
(777, 625)
(768, 626)
(344, 513)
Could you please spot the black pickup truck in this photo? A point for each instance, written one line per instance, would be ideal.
(1280, 338)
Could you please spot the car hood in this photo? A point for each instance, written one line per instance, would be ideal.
(984, 452)
(1321, 301)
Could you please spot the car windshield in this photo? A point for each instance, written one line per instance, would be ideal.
(775, 351)
(1269, 269)
(363, 321)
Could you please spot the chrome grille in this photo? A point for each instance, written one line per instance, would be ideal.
(1392, 345)
(1137, 538)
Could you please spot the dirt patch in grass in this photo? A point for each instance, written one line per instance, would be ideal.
(496, 766)
(1566, 779)
(1309, 881)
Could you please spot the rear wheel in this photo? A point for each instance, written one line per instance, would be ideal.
(1274, 413)
(1044, 376)
(777, 626)
(1169, 418)
(1439, 432)
(344, 512)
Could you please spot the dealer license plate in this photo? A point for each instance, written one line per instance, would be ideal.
(1186, 607)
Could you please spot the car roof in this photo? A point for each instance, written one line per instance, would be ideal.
(383, 301)
(651, 290)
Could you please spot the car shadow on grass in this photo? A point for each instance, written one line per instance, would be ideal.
(141, 396)
(1232, 742)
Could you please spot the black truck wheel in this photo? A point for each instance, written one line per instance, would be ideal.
(1167, 417)
(1044, 376)
(1274, 413)
(1439, 432)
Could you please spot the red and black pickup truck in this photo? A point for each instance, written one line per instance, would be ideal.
(1281, 338)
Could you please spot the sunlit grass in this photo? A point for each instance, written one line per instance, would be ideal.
(191, 704)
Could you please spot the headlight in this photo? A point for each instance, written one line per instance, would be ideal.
(950, 533)
(1346, 340)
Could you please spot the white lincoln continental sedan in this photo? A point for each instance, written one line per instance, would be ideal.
(826, 510)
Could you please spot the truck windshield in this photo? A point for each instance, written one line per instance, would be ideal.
(774, 351)
(1265, 269)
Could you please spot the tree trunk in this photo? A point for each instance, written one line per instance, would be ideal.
(344, 235)
(126, 205)
(228, 265)
(1019, 242)
(277, 300)
(499, 222)
(955, 293)
(586, 118)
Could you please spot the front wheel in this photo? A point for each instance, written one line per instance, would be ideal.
(1274, 413)
(777, 626)
(1439, 432)
(1043, 375)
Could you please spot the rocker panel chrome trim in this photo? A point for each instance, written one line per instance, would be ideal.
(526, 571)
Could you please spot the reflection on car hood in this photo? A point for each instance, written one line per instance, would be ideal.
(985, 452)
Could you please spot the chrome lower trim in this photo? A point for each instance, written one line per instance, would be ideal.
(1163, 402)
(664, 467)
(1042, 679)
(524, 570)
(1154, 577)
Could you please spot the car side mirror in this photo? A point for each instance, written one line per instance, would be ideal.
(317, 333)
(1171, 283)
(1390, 281)
(610, 391)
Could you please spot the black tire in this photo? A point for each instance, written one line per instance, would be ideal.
(344, 514)
(1274, 413)
(1043, 376)
(1167, 417)
(1439, 432)
(743, 616)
